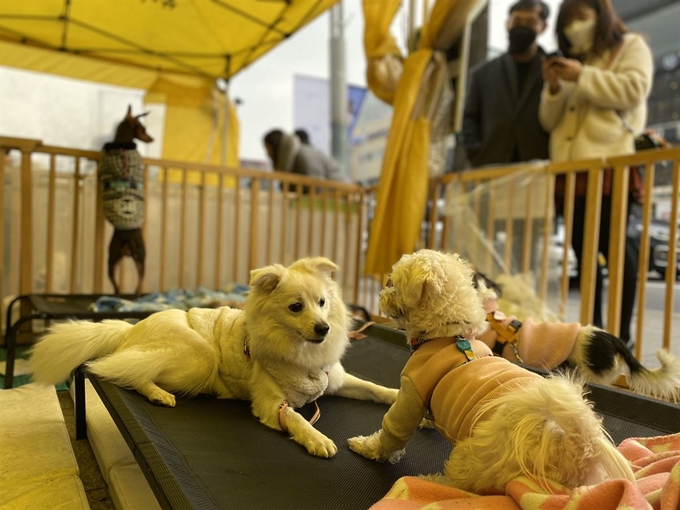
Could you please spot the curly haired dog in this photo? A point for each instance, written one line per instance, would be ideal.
(503, 420)
(594, 354)
(282, 352)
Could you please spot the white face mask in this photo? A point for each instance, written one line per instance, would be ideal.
(581, 35)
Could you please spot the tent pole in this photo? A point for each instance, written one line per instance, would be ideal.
(411, 25)
(338, 79)
(426, 11)
(225, 125)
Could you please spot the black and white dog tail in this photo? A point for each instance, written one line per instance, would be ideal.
(599, 355)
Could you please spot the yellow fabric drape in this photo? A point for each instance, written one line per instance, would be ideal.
(383, 56)
(198, 107)
(173, 50)
(188, 99)
(402, 190)
(42, 60)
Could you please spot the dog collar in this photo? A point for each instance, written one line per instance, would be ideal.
(414, 343)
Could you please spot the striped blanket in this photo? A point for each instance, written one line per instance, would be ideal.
(656, 463)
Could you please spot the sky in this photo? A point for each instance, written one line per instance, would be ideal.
(266, 87)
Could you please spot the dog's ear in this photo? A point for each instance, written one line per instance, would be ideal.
(129, 112)
(420, 281)
(267, 278)
(318, 264)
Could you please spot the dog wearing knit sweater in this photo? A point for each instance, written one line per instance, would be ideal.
(121, 183)
(503, 420)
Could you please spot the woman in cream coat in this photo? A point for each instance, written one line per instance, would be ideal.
(593, 105)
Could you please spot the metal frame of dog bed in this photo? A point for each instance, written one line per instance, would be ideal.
(53, 307)
(208, 453)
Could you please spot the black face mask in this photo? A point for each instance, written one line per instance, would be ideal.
(520, 39)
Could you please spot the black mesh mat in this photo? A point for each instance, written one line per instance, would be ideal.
(210, 453)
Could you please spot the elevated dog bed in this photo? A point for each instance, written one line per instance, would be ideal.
(211, 453)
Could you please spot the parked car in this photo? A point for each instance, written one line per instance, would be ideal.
(556, 255)
(659, 235)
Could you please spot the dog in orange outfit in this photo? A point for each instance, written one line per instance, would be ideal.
(503, 420)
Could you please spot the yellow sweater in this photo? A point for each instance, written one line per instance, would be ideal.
(437, 378)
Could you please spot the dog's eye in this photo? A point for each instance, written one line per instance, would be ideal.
(295, 307)
(322, 302)
(389, 283)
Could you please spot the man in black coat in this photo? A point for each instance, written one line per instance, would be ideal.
(500, 123)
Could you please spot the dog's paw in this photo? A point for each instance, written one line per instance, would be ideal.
(437, 478)
(162, 398)
(426, 424)
(321, 447)
(369, 447)
(388, 396)
(360, 445)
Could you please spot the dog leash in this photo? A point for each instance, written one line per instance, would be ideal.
(358, 334)
(282, 413)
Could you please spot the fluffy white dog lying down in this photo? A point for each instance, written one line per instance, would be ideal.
(282, 352)
(503, 420)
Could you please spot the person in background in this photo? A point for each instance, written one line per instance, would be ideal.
(500, 120)
(594, 103)
(303, 136)
(287, 154)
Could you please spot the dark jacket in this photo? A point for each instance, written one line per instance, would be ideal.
(499, 125)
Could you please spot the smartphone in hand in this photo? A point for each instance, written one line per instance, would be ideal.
(557, 53)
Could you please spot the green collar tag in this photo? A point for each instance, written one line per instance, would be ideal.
(464, 346)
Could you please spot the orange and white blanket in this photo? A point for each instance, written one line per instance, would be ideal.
(655, 461)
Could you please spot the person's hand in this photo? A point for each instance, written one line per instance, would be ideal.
(550, 75)
(568, 69)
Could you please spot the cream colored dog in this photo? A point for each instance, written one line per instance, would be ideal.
(281, 353)
(503, 420)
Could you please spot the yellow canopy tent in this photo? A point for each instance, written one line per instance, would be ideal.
(174, 49)
(420, 120)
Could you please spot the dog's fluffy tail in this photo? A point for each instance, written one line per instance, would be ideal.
(545, 431)
(662, 382)
(71, 344)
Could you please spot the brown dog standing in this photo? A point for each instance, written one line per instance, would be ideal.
(121, 181)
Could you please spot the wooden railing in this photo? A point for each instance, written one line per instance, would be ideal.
(205, 225)
(209, 226)
(453, 185)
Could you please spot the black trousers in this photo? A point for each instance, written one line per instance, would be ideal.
(630, 265)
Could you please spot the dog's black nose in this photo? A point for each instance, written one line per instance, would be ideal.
(321, 329)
